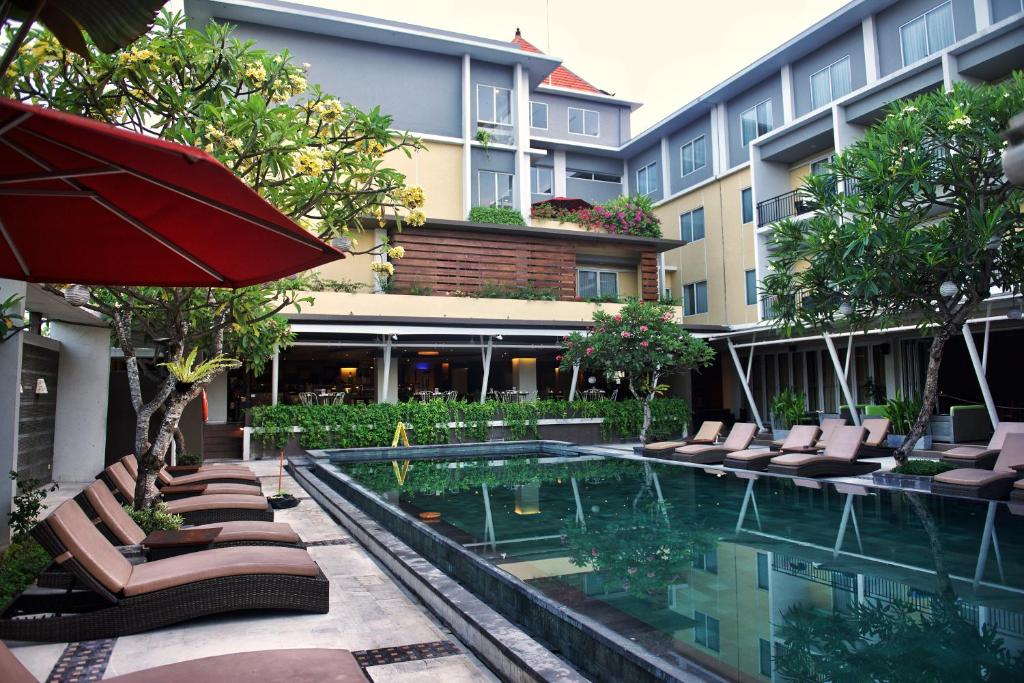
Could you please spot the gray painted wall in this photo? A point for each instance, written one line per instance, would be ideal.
(767, 89)
(422, 91)
(1001, 9)
(888, 22)
(610, 128)
(850, 44)
(493, 160)
(590, 162)
(652, 153)
(680, 182)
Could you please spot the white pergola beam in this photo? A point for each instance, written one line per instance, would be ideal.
(979, 372)
(841, 376)
(746, 385)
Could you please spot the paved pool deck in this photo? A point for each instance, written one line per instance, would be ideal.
(370, 614)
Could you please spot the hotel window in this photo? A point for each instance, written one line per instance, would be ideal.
(764, 657)
(647, 179)
(584, 122)
(831, 83)
(927, 34)
(747, 205)
(695, 298)
(751, 280)
(756, 121)
(706, 631)
(707, 562)
(822, 166)
(591, 175)
(762, 571)
(493, 105)
(693, 155)
(539, 115)
(495, 189)
(541, 180)
(691, 225)
(592, 284)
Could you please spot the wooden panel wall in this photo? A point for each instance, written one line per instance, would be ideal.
(38, 413)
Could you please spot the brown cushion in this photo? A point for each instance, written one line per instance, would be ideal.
(215, 489)
(203, 477)
(972, 477)
(113, 515)
(86, 544)
(795, 459)
(878, 430)
(708, 432)
(800, 436)
(222, 466)
(740, 436)
(1011, 454)
(12, 670)
(664, 445)
(968, 453)
(267, 666)
(217, 563)
(221, 501)
(1002, 431)
(266, 532)
(845, 443)
(131, 464)
(123, 481)
(750, 454)
(696, 449)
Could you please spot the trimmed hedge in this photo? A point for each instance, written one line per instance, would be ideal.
(365, 426)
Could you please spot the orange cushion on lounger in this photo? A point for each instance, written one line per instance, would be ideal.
(217, 563)
(972, 477)
(123, 481)
(85, 543)
(264, 532)
(113, 515)
(218, 502)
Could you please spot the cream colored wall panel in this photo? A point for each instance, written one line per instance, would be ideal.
(438, 170)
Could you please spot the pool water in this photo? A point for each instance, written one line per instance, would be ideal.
(755, 580)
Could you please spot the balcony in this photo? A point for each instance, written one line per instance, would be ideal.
(783, 206)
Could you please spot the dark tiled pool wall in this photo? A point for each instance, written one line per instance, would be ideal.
(489, 450)
(600, 654)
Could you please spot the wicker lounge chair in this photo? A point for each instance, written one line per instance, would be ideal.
(306, 665)
(132, 463)
(120, 598)
(196, 477)
(799, 437)
(994, 484)
(196, 509)
(839, 458)
(740, 436)
(981, 456)
(707, 434)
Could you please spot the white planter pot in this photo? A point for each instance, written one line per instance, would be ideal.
(923, 444)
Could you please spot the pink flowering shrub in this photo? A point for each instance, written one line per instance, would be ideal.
(620, 216)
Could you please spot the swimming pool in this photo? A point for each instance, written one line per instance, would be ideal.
(750, 579)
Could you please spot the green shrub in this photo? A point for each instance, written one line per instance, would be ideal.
(20, 564)
(416, 289)
(902, 412)
(190, 459)
(788, 408)
(155, 518)
(928, 468)
(500, 215)
(27, 504)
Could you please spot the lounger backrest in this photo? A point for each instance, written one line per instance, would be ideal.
(829, 425)
(845, 442)
(165, 477)
(801, 436)
(1004, 429)
(123, 481)
(740, 436)
(86, 544)
(113, 515)
(878, 429)
(131, 464)
(709, 431)
(11, 670)
(1011, 454)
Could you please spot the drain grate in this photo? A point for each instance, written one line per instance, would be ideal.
(405, 653)
(82, 662)
(329, 541)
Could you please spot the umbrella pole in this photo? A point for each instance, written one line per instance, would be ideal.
(280, 472)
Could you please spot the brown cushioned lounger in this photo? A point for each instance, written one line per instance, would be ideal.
(201, 509)
(994, 484)
(878, 431)
(740, 436)
(707, 434)
(828, 426)
(982, 456)
(218, 475)
(306, 665)
(800, 436)
(838, 460)
(132, 464)
(129, 598)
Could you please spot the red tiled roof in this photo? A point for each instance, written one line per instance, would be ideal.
(560, 77)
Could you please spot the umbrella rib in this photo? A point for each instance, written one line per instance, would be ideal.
(29, 192)
(59, 175)
(14, 123)
(303, 239)
(14, 249)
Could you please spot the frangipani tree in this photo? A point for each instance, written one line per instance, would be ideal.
(317, 159)
(923, 228)
(643, 343)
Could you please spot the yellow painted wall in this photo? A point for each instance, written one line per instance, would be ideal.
(438, 170)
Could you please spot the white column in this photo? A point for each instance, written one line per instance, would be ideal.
(467, 137)
(275, 374)
(788, 95)
(666, 169)
(720, 123)
(521, 120)
(871, 62)
(10, 400)
(575, 379)
(841, 376)
(384, 376)
(979, 372)
(559, 172)
(982, 14)
(746, 385)
(80, 427)
(625, 177)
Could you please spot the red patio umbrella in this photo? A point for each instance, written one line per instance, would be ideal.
(88, 203)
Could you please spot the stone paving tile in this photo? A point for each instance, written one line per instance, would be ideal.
(457, 669)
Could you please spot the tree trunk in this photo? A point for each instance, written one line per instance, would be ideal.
(647, 419)
(931, 392)
(156, 456)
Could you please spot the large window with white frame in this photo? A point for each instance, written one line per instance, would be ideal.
(577, 174)
(584, 122)
(593, 283)
(927, 34)
(539, 115)
(647, 178)
(691, 225)
(495, 189)
(756, 121)
(542, 180)
(831, 83)
(695, 298)
(693, 155)
(494, 113)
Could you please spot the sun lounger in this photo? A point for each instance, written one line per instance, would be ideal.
(800, 436)
(740, 436)
(196, 509)
(200, 477)
(828, 426)
(994, 484)
(839, 458)
(120, 598)
(132, 464)
(982, 456)
(304, 665)
(878, 431)
(707, 434)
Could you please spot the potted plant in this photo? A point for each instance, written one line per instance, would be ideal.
(913, 474)
(787, 410)
(282, 500)
(902, 412)
(186, 373)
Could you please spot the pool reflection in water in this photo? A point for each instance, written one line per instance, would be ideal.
(753, 579)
